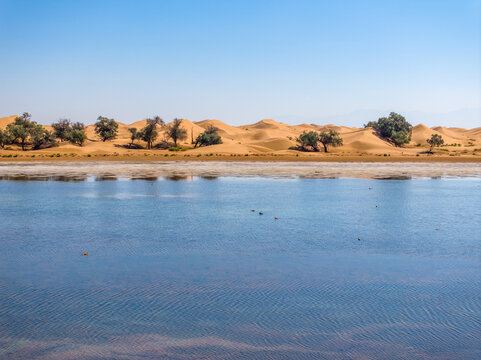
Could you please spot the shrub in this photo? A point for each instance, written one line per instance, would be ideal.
(177, 148)
(208, 137)
(308, 139)
(393, 128)
(76, 136)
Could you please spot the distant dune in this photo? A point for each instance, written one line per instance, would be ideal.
(275, 138)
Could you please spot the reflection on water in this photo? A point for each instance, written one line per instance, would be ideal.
(106, 178)
(209, 177)
(397, 177)
(180, 169)
(178, 178)
(146, 178)
(185, 270)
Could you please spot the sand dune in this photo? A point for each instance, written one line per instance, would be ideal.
(421, 133)
(4, 121)
(271, 137)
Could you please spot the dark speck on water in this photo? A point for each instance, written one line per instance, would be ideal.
(182, 271)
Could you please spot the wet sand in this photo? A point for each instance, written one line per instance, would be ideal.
(154, 169)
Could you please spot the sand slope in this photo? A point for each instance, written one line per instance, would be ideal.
(272, 137)
(4, 121)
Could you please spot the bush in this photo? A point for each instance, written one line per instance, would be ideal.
(308, 139)
(393, 128)
(76, 136)
(208, 137)
(177, 148)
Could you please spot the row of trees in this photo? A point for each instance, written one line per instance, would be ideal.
(25, 132)
(173, 131)
(149, 132)
(311, 139)
(65, 130)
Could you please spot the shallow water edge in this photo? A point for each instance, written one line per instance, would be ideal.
(212, 169)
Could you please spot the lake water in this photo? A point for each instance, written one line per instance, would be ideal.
(181, 268)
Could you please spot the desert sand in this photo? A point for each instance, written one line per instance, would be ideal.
(265, 140)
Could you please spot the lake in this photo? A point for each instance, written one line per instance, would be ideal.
(182, 268)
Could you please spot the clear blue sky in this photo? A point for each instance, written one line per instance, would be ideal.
(241, 61)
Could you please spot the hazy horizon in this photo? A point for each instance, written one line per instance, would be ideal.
(240, 62)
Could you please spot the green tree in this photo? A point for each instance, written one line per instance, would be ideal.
(61, 129)
(330, 138)
(106, 128)
(77, 136)
(41, 138)
(134, 135)
(393, 128)
(308, 139)
(5, 138)
(78, 126)
(208, 137)
(435, 141)
(149, 132)
(176, 132)
(19, 130)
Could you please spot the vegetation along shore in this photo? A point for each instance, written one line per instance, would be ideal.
(391, 138)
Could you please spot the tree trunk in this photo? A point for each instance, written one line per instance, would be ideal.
(325, 147)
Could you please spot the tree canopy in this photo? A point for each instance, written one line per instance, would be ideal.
(393, 128)
(24, 131)
(330, 138)
(176, 132)
(77, 136)
(61, 129)
(5, 138)
(435, 141)
(65, 130)
(149, 132)
(208, 137)
(41, 137)
(308, 139)
(106, 128)
(134, 135)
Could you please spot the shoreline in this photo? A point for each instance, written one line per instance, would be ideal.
(173, 157)
(152, 170)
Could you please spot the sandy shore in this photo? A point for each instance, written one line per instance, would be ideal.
(155, 156)
(185, 169)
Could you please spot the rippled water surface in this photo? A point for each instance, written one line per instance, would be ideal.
(352, 269)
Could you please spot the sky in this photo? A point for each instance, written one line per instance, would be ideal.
(242, 61)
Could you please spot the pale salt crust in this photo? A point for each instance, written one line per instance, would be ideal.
(240, 169)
